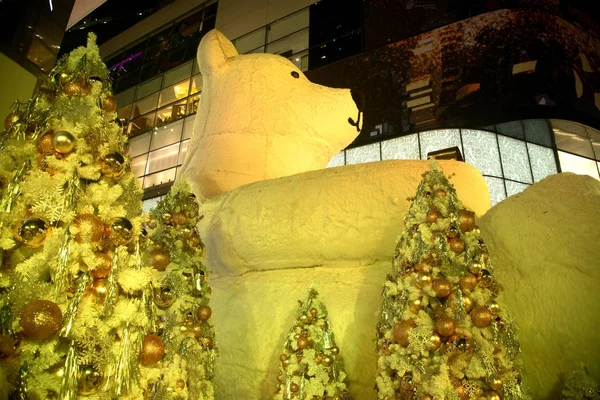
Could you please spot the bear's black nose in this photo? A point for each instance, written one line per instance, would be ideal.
(358, 98)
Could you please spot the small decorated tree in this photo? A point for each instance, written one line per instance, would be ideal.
(311, 366)
(182, 296)
(441, 333)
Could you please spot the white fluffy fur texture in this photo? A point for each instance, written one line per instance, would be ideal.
(267, 242)
(256, 121)
(545, 244)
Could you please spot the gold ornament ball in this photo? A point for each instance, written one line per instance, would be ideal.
(10, 119)
(194, 239)
(40, 319)
(467, 303)
(179, 219)
(303, 343)
(445, 326)
(456, 245)
(109, 104)
(416, 305)
(159, 259)
(103, 267)
(327, 361)
(494, 307)
(335, 350)
(44, 144)
(204, 313)
(32, 232)
(164, 297)
(207, 342)
(481, 317)
(72, 88)
(475, 267)
(7, 346)
(112, 165)
(432, 216)
(294, 387)
(442, 287)
(492, 396)
(89, 228)
(313, 312)
(467, 220)
(435, 341)
(468, 282)
(196, 331)
(495, 383)
(426, 397)
(63, 142)
(439, 193)
(99, 290)
(422, 279)
(283, 357)
(121, 231)
(402, 332)
(153, 350)
(89, 380)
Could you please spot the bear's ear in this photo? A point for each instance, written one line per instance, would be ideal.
(214, 51)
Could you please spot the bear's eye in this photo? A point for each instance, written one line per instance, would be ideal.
(295, 74)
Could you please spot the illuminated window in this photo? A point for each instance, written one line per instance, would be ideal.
(174, 92)
(578, 165)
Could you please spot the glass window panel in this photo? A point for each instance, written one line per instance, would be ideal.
(337, 160)
(291, 44)
(159, 178)
(139, 144)
(578, 165)
(512, 129)
(496, 188)
(174, 93)
(125, 112)
(145, 105)
(196, 83)
(515, 160)
(300, 60)
(149, 87)
(537, 131)
(188, 128)
(402, 148)
(259, 50)
(171, 113)
(513, 188)
(251, 41)
(193, 103)
(542, 161)
(196, 67)
(138, 165)
(126, 97)
(162, 159)
(363, 154)
(573, 143)
(148, 205)
(142, 123)
(141, 181)
(438, 140)
(166, 135)
(287, 25)
(481, 150)
(183, 151)
(177, 74)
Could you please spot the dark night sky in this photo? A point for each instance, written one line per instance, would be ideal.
(110, 19)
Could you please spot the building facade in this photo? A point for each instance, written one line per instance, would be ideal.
(512, 85)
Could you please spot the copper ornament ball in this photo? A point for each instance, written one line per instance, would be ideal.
(109, 104)
(294, 387)
(7, 346)
(204, 313)
(442, 287)
(445, 326)
(179, 219)
(481, 317)
(89, 228)
(153, 350)
(303, 343)
(103, 267)
(402, 331)
(40, 319)
(468, 282)
(466, 219)
(456, 245)
(432, 216)
(160, 259)
(44, 144)
(439, 193)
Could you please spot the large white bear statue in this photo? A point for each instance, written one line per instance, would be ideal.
(261, 118)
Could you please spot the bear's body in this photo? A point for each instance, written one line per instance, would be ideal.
(261, 118)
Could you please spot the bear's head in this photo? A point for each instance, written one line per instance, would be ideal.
(261, 118)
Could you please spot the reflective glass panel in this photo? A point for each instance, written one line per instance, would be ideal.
(438, 140)
(515, 159)
(251, 41)
(166, 135)
(188, 127)
(289, 45)
(337, 160)
(496, 188)
(363, 154)
(149, 87)
(163, 159)
(513, 188)
(142, 123)
(577, 165)
(512, 129)
(481, 151)
(288, 25)
(125, 112)
(300, 60)
(170, 113)
(138, 165)
(183, 151)
(145, 105)
(125, 97)
(542, 161)
(159, 178)
(139, 144)
(177, 74)
(193, 103)
(196, 83)
(174, 93)
(537, 131)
